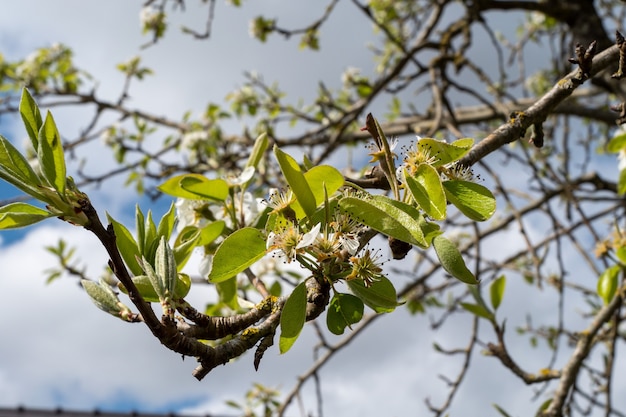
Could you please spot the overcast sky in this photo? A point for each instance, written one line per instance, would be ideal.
(58, 350)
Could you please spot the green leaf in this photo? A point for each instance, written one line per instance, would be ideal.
(296, 180)
(608, 283)
(343, 311)
(140, 224)
(191, 237)
(496, 291)
(236, 253)
(165, 267)
(145, 288)
(31, 116)
(127, 246)
(473, 200)
(103, 297)
(195, 187)
(166, 224)
(323, 176)
(50, 155)
(258, 151)
(452, 261)
(16, 215)
(444, 152)
(151, 238)
(380, 296)
(617, 143)
(155, 281)
(205, 188)
(227, 291)
(425, 187)
(478, 310)
(387, 216)
(292, 317)
(16, 170)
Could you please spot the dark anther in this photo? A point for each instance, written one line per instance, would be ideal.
(621, 44)
(584, 59)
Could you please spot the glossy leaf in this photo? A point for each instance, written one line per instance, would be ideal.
(444, 152)
(296, 180)
(425, 187)
(387, 216)
(323, 177)
(16, 170)
(292, 317)
(166, 224)
(608, 283)
(16, 215)
(50, 154)
(31, 116)
(237, 252)
(380, 296)
(127, 246)
(496, 291)
(473, 200)
(343, 311)
(452, 261)
(195, 187)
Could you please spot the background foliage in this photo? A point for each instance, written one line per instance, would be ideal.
(544, 115)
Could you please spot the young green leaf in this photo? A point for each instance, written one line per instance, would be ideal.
(145, 288)
(237, 252)
(296, 180)
(165, 267)
(227, 291)
(15, 215)
(444, 152)
(166, 224)
(496, 291)
(478, 310)
(127, 245)
(50, 155)
(452, 261)
(386, 216)
(343, 311)
(292, 317)
(205, 188)
(258, 151)
(105, 298)
(195, 187)
(31, 116)
(16, 170)
(473, 200)
(380, 296)
(425, 187)
(323, 177)
(608, 283)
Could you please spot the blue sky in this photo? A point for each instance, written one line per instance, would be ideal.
(59, 350)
